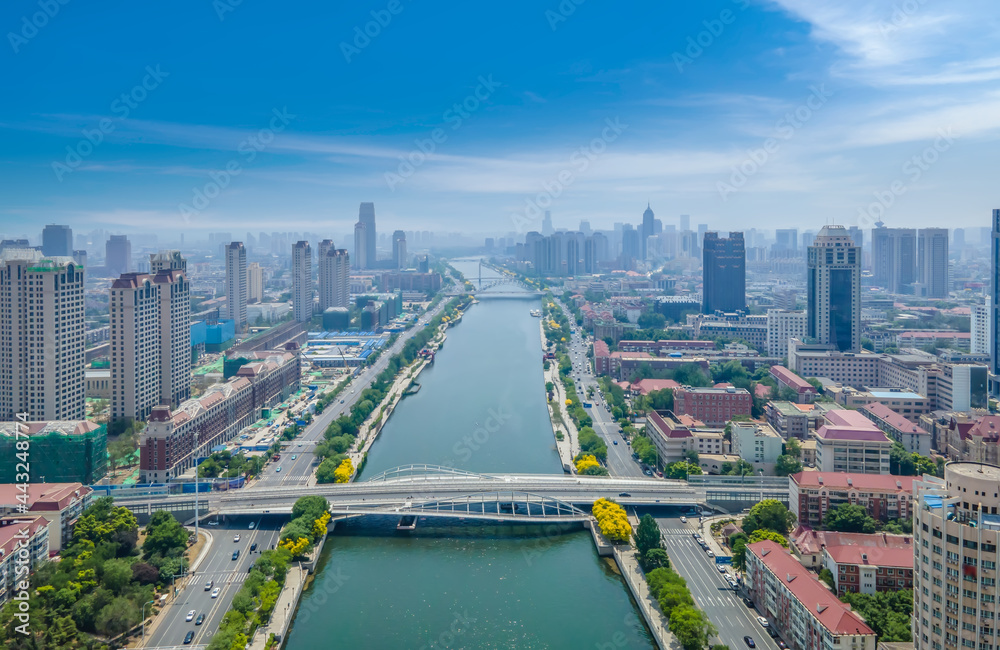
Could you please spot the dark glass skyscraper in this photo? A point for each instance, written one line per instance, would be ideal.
(724, 273)
(833, 285)
(57, 241)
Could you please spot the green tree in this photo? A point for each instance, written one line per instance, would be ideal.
(681, 470)
(793, 448)
(117, 617)
(888, 613)
(763, 534)
(849, 518)
(740, 554)
(826, 575)
(691, 627)
(165, 537)
(787, 465)
(770, 514)
(647, 535)
(655, 558)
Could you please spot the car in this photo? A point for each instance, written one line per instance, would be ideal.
(200, 619)
(294, 457)
(722, 568)
(190, 616)
(696, 536)
(615, 442)
(748, 602)
(213, 523)
(731, 581)
(624, 494)
(648, 473)
(749, 641)
(236, 538)
(252, 524)
(710, 553)
(341, 401)
(762, 621)
(782, 644)
(236, 554)
(684, 520)
(189, 637)
(209, 585)
(253, 547)
(215, 593)
(277, 469)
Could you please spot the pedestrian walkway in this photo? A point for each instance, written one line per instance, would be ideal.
(634, 577)
(284, 609)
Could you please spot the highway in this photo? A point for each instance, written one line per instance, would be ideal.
(228, 575)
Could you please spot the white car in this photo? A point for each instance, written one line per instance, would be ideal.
(722, 568)
(190, 616)
(762, 621)
(684, 520)
(710, 554)
(215, 593)
(251, 525)
(236, 538)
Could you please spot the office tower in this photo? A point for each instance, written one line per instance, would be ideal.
(724, 273)
(57, 240)
(958, 239)
(399, 249)
(547, 228)
(334, 276)
(302, 286)
(808, 237)
(255, 283)
(365, 237)
(150, 342)
(857, 236)
(585, 227)
(647, 230)
(236, 284)
(18, 244)
(995, 296)
(894, 258)
(41, 336)
(657, 226)
(423, 264)
(631, 246)
(118, 255)
(981, 332)
(685, 224)
(166, 261)
(932, 262)
(80, 257)
(833, 285)
(955, 541)
(786, 243)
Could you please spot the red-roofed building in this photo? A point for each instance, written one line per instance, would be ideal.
(799, 608)
(883, 496)
(804, 391)
(28, 533)
(59, 503)
(713, 406)
(850, 442)
(859, 562)
(647, 386)
(897, 427)
(673, 436)
(977, 441)
(602, 358)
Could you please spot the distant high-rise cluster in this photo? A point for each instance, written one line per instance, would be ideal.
(236, 284)
(911, 261)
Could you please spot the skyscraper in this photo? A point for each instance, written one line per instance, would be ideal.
(118, 255)
(786, 243)
(685, 222)
(932, 262)
(995, 295)
(631, 246)
(302, 285)
(41, 336)
(399, 249)
(255, 283)
(57, 240)
(894, 258)
(334, 276)
(236, 284)
(360, 246)
(647, 229)
(547, 228)
(724, 273)
(366, 216)
(833, 285)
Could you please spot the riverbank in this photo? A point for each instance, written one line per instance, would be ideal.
(569, 446)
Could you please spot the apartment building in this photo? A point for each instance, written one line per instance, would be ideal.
(24, 542)
(302, 282)
(798, 607)
(850, 442)
(883, 496)
(782, 326)
(334, 276)
(61, 504)
(757, 443)
(236, 284)
(898, 428)
(793, 420)
(804, 391)
(674, 435)
(905, 402)
(714, 406)
(41, 336)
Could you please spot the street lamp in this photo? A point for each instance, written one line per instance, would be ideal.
(144, 618)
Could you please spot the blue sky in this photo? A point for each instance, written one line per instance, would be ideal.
(588, 109)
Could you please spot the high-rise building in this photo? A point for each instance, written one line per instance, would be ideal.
(981, 331)
(302, 284)
(724, 273)
(956, 530)
(334, 276)
(858, 236)
(255, 283)
(41, 336)
(833, 285)
(685, 223)
(995, 296)
(118, 255)
(399, 249)
(57, 240)
(547, 228)
(647, 229)
(894, 258)
(932, 262)
(167, 261)
(236, 284)
(150, 342)
(369, 235)
(631, 246)
(786, 243)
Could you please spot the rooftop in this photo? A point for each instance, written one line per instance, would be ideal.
(790, 379)
(888, 393)
(880, 482)
(848, 547)
(42, 496)
(893, 419)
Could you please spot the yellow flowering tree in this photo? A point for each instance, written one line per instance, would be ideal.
(296, 547)
(343, 473)
(612, 520)
(319, 526)
(585, 461)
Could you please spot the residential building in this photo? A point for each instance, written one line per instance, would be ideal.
(757, 443)
(255, 284)
(792, 420)
(674, 436)
(724, 273)
(804, 391)
(955, 531)
(974, 440)
(883, 496)
(782, 326)
(302, 282)
(860, 563)
(57, 241)
(236, 284)
(61, 504)
(60, 452)
(713, 406)
(399, 258)
(834, 289)
(905, 402)
(170, 260)
(24, 544)
(981, 327)
(334, 276)
(732, 326)
(850, 442)
(118, 255)
(894, 258)
(995, 295)
(799, 608)
(898, 428)
(932, 262)
(407, 281)
(42, 336)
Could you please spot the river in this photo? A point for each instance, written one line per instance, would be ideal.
(480, 408)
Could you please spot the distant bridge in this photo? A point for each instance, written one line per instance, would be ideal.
(505, 280)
